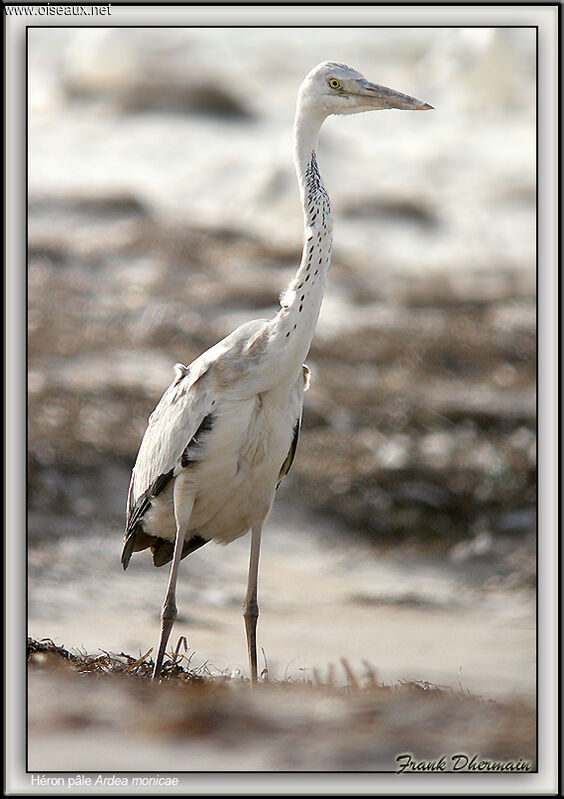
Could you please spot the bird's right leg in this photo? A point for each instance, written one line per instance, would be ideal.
(250, 608)
(182, 512)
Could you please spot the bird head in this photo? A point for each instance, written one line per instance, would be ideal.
(331, 88)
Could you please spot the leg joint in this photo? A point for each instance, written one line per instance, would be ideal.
(251, 609)
(169, 611)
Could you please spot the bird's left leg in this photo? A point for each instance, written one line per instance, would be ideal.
(250, 608)
(182, 511)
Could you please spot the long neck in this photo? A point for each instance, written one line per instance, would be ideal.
(301, 302)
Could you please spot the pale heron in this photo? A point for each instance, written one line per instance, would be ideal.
(225, 432)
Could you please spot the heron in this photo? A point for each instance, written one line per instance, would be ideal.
(225, 432)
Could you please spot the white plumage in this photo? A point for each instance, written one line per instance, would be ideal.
(225, 431)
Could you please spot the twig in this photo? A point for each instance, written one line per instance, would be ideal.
(139, 661)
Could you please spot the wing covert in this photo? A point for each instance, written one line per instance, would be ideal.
(174, 422)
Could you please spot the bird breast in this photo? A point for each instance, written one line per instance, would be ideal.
(259, 439)
(235, 469)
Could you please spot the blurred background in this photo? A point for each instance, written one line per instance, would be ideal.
(163, 212)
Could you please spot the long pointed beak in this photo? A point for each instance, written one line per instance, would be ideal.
(390, 98)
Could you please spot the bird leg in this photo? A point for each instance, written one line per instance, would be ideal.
(169, 613)
(250, 607)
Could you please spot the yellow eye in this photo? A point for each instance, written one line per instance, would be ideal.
(334, 83)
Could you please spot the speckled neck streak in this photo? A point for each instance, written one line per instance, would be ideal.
(301, 302)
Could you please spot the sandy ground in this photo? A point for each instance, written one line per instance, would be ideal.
(80, 723)
(320, 600)
(409, 619)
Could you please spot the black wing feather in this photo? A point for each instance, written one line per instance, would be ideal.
(138, 511)
(287, 465)
(206, 425)
(161, 548)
